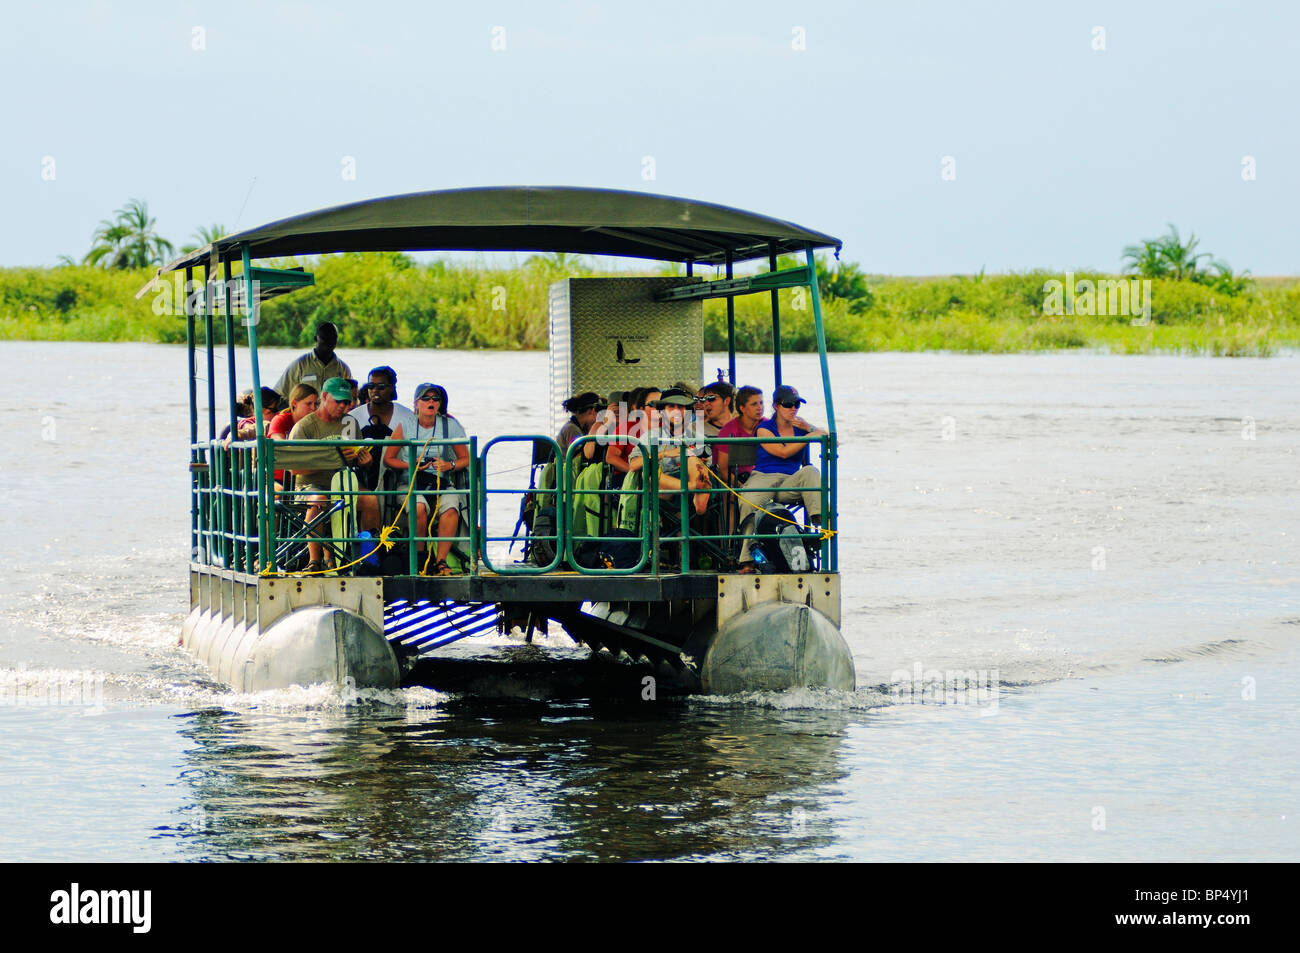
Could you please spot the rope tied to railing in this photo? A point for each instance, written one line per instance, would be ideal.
(385, 533)
(823, 532)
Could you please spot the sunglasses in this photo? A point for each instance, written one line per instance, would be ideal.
(787, 404)
(433, 397)
(379, 385)
(706, 400)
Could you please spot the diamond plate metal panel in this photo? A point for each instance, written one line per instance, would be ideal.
(610, 334)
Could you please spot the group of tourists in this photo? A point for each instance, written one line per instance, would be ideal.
(322, 401)
(316, 398)
(761, 474)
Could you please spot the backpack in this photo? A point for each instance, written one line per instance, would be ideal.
(621, 553)
(541, 550)
(796, 551)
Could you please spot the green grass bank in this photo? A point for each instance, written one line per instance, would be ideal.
(387, 300)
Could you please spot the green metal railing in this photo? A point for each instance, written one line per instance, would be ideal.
(729, 541)
(539, 494)
(401, 513)
(235, 524)
(613, 495)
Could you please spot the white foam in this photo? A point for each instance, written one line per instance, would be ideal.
(817, 699)
(317, 698)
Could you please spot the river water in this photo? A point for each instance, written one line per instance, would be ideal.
(1107, 546)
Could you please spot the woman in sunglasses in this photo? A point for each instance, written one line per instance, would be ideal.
(437, 467)
(782, 471)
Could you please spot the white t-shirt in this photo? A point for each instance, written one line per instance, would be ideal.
(401, 416)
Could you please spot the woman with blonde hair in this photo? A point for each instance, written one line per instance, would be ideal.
(303, 400)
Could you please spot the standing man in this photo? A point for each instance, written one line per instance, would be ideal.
(317, 365)
(324, 424)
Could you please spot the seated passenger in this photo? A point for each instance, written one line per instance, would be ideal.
(749, 403)
(379, 417)
(382, 406)
(437, 468)
(243, 408)
(302, 402)
(781, 472)
(584, 409)
(673, 406)
(270, 405)
(714, 405)
(605, 423)
(635, 424)
(324, 424)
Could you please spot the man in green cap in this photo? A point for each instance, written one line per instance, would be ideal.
(325, 424)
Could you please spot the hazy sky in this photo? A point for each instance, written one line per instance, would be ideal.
(929, 137)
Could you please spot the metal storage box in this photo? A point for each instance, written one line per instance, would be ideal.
(609, 334)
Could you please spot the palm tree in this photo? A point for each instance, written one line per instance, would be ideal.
(1182, 262)
(1146, 260)
(204, 236)
(1226, 280)
(108, 250)
(1166, 257)
(129, 240)
(848, 282)
(1169, 257)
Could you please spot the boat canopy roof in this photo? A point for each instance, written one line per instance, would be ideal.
(524, 218)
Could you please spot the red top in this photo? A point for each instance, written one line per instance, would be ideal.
(732, 428)
(281, 425)
(619, 450)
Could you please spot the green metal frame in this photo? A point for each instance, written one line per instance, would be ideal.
(729, 287)
(561, 515)
(649, 549)
(232, 489)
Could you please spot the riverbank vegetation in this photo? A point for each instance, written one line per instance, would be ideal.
(391, 300)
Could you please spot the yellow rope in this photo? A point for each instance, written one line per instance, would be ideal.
(823, 534)
(437, 505)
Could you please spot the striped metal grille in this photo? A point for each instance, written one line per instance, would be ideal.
(422, 626)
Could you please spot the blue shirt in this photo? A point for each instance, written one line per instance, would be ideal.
(767, 463)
